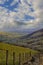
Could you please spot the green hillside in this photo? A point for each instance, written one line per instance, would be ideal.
(33, 40)
(13, 49)
(23, 46)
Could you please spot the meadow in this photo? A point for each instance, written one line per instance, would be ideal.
(14, 55)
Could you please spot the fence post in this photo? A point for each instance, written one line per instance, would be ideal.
(19, 58)
(39, 58)
(30, 53)
(26, 56)
(6, 57)
(13, 58)
(23, 56)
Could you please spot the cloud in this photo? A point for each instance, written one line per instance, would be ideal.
(26, 15)
(2, 1)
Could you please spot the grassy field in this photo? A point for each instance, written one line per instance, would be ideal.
(14, 49)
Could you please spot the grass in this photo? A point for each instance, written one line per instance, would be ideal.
(11, 49)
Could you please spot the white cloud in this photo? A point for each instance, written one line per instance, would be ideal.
(8, 20)
(14, 1)
(2, 1)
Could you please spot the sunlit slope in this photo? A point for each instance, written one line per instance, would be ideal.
(12, 48)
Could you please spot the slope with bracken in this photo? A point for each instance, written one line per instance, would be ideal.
(34, 40)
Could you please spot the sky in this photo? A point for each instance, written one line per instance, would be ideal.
(21, 15)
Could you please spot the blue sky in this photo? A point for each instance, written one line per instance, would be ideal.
(21, 15)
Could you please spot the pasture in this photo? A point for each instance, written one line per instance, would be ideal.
(14, 55)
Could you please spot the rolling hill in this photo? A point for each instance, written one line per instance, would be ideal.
(11, 52)
(33, 40)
